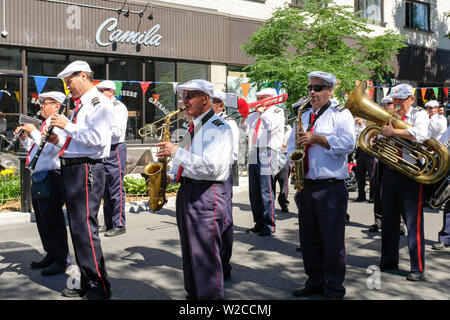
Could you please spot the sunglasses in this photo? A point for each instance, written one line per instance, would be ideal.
(190, 95)
(316, 87)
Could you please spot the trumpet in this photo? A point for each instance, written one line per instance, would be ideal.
(266, 102)
(158, 125)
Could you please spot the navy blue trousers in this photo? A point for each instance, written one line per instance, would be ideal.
(83, 197)
(282, 178)
(444, 234)
(114, 196)
(227, 234)
(364, 164)
(201, 210)
(323, 206)
(402, 196)
(50, 220)
(261, 192)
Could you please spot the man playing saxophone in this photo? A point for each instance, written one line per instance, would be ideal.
(202, 164)
(328, 138)
(402, 195)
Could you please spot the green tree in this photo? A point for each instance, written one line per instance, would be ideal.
(447, 15)
(321, 36)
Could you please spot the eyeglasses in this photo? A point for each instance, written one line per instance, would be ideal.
(103, 90)
(190, 95)
(69, 82)
(316, 87)
(47, 102)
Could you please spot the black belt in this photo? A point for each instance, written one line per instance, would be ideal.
(72, 161)
(194, 181)
(330, 180)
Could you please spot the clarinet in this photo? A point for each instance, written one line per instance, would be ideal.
(12, 143)
(44, 139)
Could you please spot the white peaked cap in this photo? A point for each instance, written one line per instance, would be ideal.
(76, 66)
(55, 95)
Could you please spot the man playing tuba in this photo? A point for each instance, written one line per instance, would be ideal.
(402, 195)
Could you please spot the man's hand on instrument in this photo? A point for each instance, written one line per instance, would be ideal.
(166, 149)
(28, 127)
(305, 138)
(387, 130)
(59, 120)
(23, 136)
(53, 138)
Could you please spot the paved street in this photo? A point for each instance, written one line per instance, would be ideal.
(145, 263)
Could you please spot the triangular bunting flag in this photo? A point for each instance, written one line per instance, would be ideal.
(371, 90)
(1, 96)
(278, 87)
(446, 91)
(40, 83)
(96, 82)
(118, 89)
(436, 92)
(17, 96)
(65, 87)
(144, 86)
(245, 88)
(174, 84)
(155, 97)
(424, 91)
(414, 91)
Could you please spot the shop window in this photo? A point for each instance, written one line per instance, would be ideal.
(187, 71)
(97, 64)
(9, 103)
(10, 59)
(417, 15)
(372, 10)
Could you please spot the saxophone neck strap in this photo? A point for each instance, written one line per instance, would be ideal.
(321, 111)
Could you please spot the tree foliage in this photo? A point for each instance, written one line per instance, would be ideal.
(320, 36)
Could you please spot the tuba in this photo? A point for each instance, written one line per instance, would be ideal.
(298, 155)
(431, 160)
(156, 172)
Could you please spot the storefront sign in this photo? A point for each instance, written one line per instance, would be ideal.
(159, 105)
(148, 38)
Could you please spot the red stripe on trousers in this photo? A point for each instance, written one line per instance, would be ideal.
(89, 228)
(120, 181)
(419, 244)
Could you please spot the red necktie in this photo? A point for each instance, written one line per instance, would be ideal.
(306, 161)
(255, 133)
(180, 168)
(32, 147)
(69, 138)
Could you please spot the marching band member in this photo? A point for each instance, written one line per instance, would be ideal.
(202, 165)
(227, 236)
(402, 195)
(88, 142)
(329, 136)
(48, 207)
(438, 123)
(114, 197)
(265, 129)
(282, 177)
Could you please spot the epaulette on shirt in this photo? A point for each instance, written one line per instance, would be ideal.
(340, 108)
(95, 101)
(217, 122)
(277, 111)
(116, 102)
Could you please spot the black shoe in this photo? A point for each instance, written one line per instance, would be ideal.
(388, 267)
(416, 276)
(97, 294)
(360, 200)
(226, 275)
(74, 293)
(44, 263)
(102, 229)
(285, 209)
(115, 232)
(373, 228)
(439, 246)
(255, 229)
(56, 268)
(265, 233)
(307, 291)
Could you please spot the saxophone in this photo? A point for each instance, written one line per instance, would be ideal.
(156, 182)
(298, 155)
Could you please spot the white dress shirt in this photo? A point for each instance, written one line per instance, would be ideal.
(91, 134)
(235, 131)
(210, 152)
(444, 138)
(48, 159)
(270, 132)
(338, 126)
(438, 126)
(420, 122)
(119, 125)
